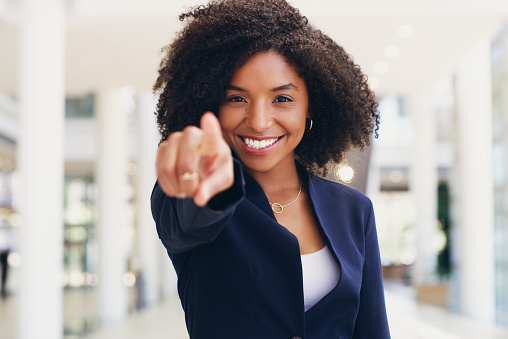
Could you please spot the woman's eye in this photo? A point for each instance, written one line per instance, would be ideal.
(236, 98)
(282, 99)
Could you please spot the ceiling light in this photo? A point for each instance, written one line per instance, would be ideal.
(405, 31)
(392, 51)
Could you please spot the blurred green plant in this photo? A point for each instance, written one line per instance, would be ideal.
(443, 215)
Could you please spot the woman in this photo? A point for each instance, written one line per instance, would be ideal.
(264, 248)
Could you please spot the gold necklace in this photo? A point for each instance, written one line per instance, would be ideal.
(278, 208)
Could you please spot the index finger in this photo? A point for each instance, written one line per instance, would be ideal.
(212, 133)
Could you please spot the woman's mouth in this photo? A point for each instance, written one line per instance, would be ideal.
(259, 144)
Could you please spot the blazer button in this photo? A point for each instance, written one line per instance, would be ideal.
(296, 337)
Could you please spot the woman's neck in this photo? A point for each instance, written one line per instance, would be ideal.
(277, 180)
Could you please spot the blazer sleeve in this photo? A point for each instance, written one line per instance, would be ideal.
(371, 321)
(181, 225)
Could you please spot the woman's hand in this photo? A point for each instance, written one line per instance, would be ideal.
(195, 162)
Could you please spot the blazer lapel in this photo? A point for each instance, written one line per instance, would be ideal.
(333, 217)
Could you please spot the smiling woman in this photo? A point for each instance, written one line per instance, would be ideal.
(254, 102)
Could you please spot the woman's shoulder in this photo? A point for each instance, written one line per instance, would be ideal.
(326, 187)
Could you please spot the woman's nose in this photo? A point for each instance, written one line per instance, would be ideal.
(259, 117)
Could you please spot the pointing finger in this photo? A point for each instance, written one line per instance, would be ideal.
(212, 133)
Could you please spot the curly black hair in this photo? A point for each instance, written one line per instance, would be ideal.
(221, 36)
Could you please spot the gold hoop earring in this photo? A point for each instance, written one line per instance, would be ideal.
(310, 127)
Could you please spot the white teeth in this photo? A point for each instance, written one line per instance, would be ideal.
(259, 144)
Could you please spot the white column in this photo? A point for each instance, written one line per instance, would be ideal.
(41, 164)
(112, 229)
(373, 186)
(474, 167)
(423, 184)
(148, 243)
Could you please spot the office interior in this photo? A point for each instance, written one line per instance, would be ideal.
(78, 141)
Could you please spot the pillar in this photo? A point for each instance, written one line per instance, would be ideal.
(474, 142)
(423, 185)
(41, 167)
(111, 179)
(148, 243)
(373, 185)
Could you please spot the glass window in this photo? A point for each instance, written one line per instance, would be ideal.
(79, 107)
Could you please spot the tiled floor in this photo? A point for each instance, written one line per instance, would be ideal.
(408, 320)
(162, 321)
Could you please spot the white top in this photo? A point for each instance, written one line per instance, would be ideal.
(321, 274)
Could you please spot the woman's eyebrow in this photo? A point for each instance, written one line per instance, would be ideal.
(276, 89)
(284, 87)
(234, 88)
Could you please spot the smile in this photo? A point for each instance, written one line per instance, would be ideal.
(259, 144)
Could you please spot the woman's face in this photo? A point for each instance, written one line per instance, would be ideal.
(264, 112)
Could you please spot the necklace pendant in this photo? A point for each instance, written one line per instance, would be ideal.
(277, 208)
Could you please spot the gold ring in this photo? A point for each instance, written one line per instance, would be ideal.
(188, 176)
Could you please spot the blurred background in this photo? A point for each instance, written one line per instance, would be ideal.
(79, 252)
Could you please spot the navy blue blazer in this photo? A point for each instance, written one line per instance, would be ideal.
(240, 274)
